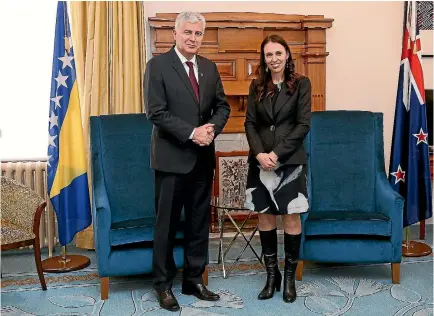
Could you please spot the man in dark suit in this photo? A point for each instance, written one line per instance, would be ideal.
(185, 100)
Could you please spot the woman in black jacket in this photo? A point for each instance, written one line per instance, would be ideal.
(277, 122)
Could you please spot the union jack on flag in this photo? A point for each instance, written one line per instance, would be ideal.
(409, 172)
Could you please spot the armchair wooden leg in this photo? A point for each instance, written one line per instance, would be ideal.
(205, 276)
(37, 253)
(104, 288)
(395, 273)
(299, 271)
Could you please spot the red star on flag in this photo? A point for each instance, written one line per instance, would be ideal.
(421, 137)
(399, 175)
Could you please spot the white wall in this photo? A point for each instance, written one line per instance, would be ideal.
(362, 69)
(364, 45)
(27, 40)
(427, 41)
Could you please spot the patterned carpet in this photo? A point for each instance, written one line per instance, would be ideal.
(325, 290)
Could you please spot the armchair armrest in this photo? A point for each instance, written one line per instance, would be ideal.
(387, 201)
(390, 203)
(102, 224)
(100, 211)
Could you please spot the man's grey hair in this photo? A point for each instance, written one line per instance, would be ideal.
(191, 17)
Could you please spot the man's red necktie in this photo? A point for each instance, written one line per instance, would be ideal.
(193, 80)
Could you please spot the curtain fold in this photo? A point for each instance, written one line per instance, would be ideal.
(127, 43)
(109, 48)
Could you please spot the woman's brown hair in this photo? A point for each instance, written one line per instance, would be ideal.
(263, 83)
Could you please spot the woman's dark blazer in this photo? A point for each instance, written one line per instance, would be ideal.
(285, 131)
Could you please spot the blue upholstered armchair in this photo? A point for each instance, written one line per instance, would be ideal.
(123, 197)
(355, 216)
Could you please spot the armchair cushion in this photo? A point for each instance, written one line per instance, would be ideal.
(129, 232)
(348, 250)
(347, 222)
(129, 235)
(11, 233)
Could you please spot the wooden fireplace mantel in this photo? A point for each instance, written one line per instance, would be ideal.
(232, 40)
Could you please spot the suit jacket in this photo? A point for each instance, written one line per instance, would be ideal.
(171, 105)
(284, 131)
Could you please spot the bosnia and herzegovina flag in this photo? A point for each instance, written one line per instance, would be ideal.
(66, 166)
(409, 172)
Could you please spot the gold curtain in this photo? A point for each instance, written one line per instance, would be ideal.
(109, 49)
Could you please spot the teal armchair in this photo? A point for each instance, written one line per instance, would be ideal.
(123, 197)
(355, 216)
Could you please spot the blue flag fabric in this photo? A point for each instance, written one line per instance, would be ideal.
(409, 172)
(66, 166)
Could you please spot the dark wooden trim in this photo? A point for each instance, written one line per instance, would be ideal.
(37, 253)
(35, 242)
(18, 244)
(37, 219)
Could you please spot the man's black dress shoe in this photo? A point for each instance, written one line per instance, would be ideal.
(200, 291)
(167, 300)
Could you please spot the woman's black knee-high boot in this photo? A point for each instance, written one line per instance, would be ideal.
(292, 250)
(269, 250)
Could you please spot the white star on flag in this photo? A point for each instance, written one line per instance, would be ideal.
(399, 175)
(53, 120)
(421, 137)
(48, 160)
(51, 139)
(66, 60)
(56, 101)
(61, 80)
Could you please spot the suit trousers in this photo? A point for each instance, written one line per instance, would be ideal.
(173, 192)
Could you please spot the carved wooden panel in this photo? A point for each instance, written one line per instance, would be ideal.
(232, 41)
(251, 65)
(226, 68)
(229, 187)
(239, 40)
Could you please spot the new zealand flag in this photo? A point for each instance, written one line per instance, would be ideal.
(409, 172)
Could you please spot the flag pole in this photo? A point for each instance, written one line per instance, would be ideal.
(409, 172)
(66, 166)
(65, 263)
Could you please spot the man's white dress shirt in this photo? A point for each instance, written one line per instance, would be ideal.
(187, 69)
